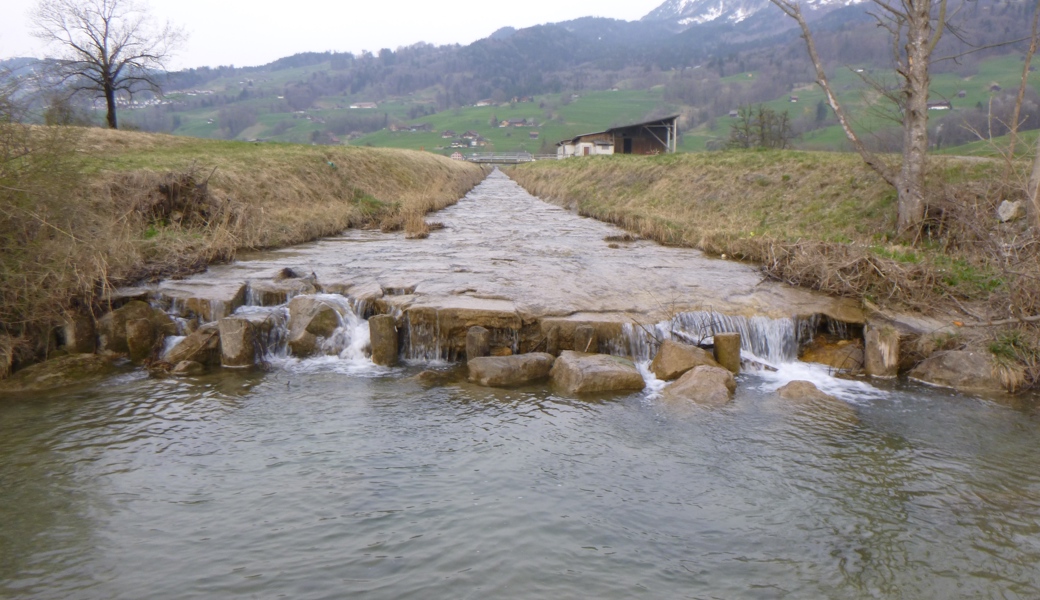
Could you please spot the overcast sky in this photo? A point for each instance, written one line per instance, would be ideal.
(251, 33)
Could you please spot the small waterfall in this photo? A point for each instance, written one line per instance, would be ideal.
(351, 340)
(273, 329)
(423, 340)
(771, 340)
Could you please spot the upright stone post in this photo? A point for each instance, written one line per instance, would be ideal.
(383, 334)
(881, 344)
(585, 339)
(237, 342)
(478, 342)
(80, 335)
(727, 351)
(552, 341)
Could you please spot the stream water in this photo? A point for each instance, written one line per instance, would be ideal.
(330, 477)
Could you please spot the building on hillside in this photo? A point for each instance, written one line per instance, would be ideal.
(457, 156)
(650, 137)
(942, 105)
(364, 105)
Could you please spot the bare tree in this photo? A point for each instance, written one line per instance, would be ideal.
(1033, 186)
(107, 47)
(916, 27)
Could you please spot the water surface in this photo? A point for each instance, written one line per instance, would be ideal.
(325, 485)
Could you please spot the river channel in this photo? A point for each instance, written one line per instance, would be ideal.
(331, 477)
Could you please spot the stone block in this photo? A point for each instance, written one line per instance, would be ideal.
(509, 371)
(238, 342)
(705, 385)
(673, 359)
(727, 351)
(383, 335)
(478, 342)
(579, 372)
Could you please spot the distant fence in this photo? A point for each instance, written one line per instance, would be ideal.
(507, 158)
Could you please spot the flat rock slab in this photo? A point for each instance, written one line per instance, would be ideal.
(510, 371)
(579, 373)
(58, 373)
(275, 293)
(206, 300)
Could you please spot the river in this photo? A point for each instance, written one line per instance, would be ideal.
(330, 477)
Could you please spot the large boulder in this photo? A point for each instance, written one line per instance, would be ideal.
(578, 372)
(311, 319)
(141, 337)
(112, 331)
(674, 359)
(60, 372)
(807, 397)
(202, 346)
(706, 385)
(508, 371)
(964, 370)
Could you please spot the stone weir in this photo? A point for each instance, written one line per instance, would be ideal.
(535, 276)
(503, 274)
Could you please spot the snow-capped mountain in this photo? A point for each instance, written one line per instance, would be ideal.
(687, 13)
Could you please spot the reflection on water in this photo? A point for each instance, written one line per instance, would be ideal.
(313, 483)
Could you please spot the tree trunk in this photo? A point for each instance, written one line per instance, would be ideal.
(915, 118)
(110, 102)
(1033, 206)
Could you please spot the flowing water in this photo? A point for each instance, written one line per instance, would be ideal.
(330, 477)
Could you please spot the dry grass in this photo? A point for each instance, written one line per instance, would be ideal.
(131, 206)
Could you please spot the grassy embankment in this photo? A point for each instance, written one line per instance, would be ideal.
(90, 209)
(825, 221)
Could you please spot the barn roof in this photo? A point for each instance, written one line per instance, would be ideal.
(662, 121)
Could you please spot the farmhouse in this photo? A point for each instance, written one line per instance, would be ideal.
(364, 105)
(942, 105)
(649, 137)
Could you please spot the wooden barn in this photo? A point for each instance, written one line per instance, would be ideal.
(650, 137)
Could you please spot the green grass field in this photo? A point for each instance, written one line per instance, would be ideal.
(559, 116)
